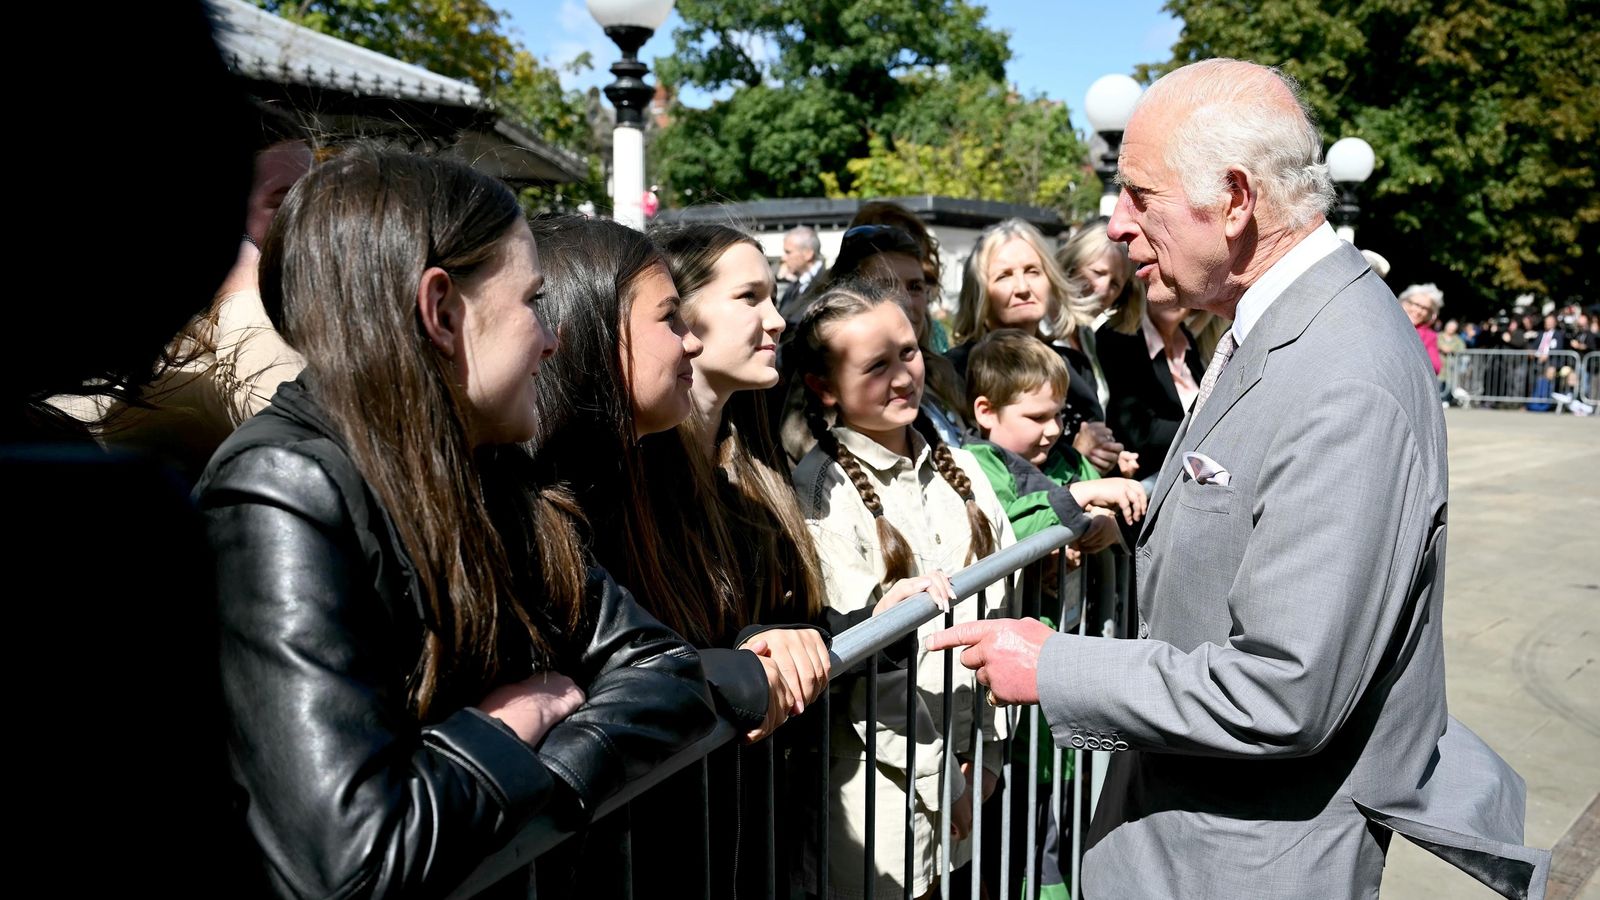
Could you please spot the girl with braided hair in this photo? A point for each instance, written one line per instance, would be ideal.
(891, 508)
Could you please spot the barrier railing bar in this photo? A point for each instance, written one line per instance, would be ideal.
(878, 632)
(542, 833)
(856, 645)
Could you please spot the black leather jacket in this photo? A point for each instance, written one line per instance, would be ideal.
(348, 794)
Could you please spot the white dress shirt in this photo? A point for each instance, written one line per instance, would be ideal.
(1302, 256)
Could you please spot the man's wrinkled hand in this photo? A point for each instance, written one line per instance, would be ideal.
(1003, 652)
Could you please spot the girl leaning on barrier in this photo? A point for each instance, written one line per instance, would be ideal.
(891, 508)
(683, 493)
(412, 664)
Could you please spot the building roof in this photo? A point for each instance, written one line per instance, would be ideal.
(819, 212)
(340, 88)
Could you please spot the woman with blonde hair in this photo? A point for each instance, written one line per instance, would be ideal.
(1097, 266)
(1012, 280)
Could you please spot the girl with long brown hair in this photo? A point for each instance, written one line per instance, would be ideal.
(412, 664)
(684, 496)
(891, 508)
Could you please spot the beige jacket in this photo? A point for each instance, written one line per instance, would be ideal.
(933, 519)
(195, 406)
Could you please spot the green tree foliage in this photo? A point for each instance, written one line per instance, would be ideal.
(1484, 116)
(463, 39)
(456, 38)
(821, 93)
(976, 139)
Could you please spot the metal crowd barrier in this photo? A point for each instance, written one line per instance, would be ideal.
(1518, 377)
(1101, 604)
(1589, 384)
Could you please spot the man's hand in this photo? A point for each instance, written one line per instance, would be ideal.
(1004, 653)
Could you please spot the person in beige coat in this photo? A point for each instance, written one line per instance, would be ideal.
(892, 509)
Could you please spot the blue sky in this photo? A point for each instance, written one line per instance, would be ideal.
(1058, 48)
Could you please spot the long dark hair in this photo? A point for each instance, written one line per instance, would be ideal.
(746, 466)
(588, 441)
(808, 354)
(341, 267)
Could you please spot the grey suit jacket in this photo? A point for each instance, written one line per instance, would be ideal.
(1286, 710)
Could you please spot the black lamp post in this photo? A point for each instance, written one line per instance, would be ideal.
(1108, 105)
(1350, 162)
(629, 23)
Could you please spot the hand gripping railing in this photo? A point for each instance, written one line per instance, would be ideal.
(861, 645)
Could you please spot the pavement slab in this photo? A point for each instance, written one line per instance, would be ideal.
(1522, 634)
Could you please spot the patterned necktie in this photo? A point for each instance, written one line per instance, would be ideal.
(1219, 361)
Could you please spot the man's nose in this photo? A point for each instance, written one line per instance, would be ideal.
(1121, 228)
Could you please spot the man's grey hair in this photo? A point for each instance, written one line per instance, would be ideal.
(1253, 117)
(806, 237)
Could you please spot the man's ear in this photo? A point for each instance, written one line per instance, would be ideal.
(819, 386)
(1239, 203)
(984, 413)
(439, 306)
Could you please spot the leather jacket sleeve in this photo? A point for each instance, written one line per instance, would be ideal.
(646, 698)
(348, 795)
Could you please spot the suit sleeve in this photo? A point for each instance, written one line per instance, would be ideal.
(1344, 510)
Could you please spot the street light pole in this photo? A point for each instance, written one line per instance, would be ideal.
(1350, 162)
(1109, 105)
(629, 23)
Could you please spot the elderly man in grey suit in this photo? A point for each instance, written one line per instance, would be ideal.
(1284, 709)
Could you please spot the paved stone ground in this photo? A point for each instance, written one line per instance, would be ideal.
(1522, 632)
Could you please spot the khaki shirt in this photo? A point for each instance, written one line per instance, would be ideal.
(933, 519)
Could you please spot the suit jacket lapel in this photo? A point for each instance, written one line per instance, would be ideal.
(1285, 320)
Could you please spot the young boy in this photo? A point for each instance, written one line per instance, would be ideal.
(1017, 386)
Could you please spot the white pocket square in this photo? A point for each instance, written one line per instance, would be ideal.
(1205, 470)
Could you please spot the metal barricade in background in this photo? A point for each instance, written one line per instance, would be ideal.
(1514, 377)
(1099, 603)
(1589, 379)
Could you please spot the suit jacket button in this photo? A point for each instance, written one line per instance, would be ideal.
(1120, 745)
(1095, 744)
(1144, 629)
(1077, 741)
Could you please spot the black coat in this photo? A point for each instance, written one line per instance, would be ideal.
(349, 794)
(1144, 411)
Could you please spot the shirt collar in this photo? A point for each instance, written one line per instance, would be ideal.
(1301, 257)
(1154, 343)
(878, 457)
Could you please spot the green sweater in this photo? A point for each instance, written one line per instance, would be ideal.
(1035, 497)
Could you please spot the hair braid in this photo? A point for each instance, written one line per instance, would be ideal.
(983, 537)
(891, 543)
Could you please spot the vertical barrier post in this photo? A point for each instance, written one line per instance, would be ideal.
(911, 774)
(870, 865)
(978, 702)
(947, 753)
(824, 797)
